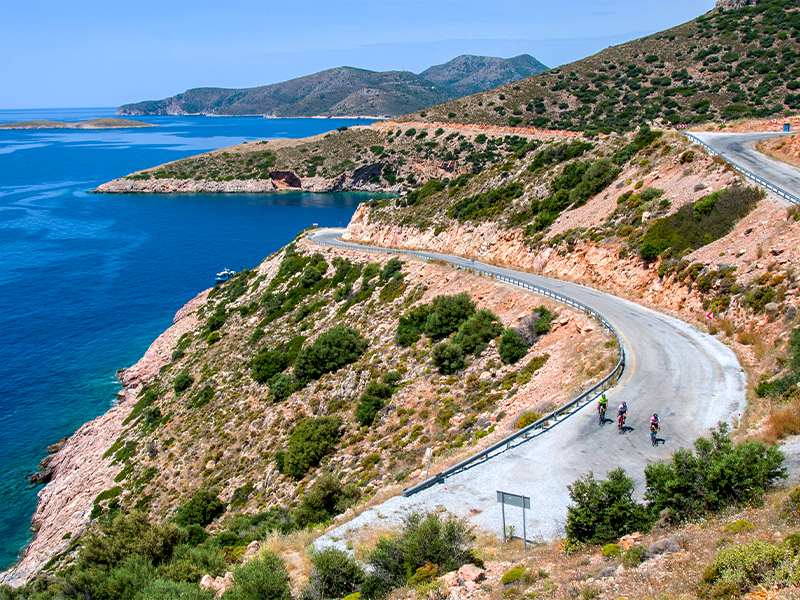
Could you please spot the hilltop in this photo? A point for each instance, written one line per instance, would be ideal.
(347, 91)
(730, 63)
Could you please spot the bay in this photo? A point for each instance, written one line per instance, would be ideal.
(88, 281)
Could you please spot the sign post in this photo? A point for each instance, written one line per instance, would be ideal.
(709, 317)
(514, 500)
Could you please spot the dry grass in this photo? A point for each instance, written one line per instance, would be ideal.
(782, 423)
(292, 549)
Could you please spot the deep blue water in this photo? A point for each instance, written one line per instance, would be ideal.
(87, 281)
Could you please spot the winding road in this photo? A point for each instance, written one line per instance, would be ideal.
(688, 377)
(739, 148)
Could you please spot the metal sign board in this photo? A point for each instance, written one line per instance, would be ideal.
(514, 499)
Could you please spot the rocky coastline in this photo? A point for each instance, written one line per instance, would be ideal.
(78, 470)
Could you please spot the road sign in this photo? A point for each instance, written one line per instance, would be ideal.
(514, 500)
(710, 316)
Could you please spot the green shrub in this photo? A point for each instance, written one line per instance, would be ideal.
(262, 577)
(212, 338)
(203, 507)
(513, 576)
(477, 331)
(284, 386)
(720, 474)
(310, 277)
(528, 418)
(739, 568)
(387, 569)
(700, 223)
(392, 269)
(633, 557)
(604, 511)
(447, 315)
(611, 550)
(431, 538)
(268, 363)
(183, 381)
(448, 358)
(335, 574)
(425, 574)
(738, 526)
(330, 351)
(310, 441)
(412, 324)
(165, 589)
(512, 346)
(485, 205)
(324, 500)
(554, 154)
(374, 398)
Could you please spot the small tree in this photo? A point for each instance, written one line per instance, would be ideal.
(330, 351)
(335, 574)
(325, 499)
(603, 511)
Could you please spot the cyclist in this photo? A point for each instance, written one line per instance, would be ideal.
(655, 425)
(622, 413)
(602, 405)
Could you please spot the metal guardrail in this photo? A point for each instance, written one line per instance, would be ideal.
(547, 421)
(748, 173)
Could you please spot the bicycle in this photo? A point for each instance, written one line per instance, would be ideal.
(653, 432)
(621, 423)
(602, 413)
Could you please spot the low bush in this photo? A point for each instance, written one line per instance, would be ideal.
(183, 381)
(738, 569)
(697, 224)
(268, 363)
(477, 331)
(447, 315)
(310, 441)
(263, 576)
(375, 396)
(633, 557)
(512, 346)
(611, 550)
(324, 500)
(448, 358)
(330, 351)
(335, 574)
(432, 538)
(485, 205)
(203, 507)
(528, 418)
(284, 386)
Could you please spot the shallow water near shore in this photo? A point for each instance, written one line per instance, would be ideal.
(88, 281)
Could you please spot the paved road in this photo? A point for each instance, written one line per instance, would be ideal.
(740, 148)
(688, 377)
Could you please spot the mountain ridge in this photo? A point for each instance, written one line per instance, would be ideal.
(347, 91)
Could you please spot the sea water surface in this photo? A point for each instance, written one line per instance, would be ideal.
(88, 281)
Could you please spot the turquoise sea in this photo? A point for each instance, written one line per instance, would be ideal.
(87, 281)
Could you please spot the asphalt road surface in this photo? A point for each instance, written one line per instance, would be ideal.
(688, 377)
(740, 148)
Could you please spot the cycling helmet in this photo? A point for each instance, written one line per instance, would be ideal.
(655, 415)
(604, 397)
(624, 403)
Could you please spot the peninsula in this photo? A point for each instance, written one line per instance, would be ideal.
(104, 123)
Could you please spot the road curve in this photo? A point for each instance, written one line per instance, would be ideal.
(740, 149)
(688, 377)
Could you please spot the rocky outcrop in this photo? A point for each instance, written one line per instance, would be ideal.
(78, 470)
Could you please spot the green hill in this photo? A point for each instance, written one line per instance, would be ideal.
(729, 63)
(346, 91)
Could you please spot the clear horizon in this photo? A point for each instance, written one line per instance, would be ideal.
(62, 54)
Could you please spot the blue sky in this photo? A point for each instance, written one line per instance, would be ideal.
(62, 53)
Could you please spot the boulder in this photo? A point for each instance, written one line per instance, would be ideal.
(771, 307)
(664, 546)
(452, 579)
(607, 572)
(471, 573)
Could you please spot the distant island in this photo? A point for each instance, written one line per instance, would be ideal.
(349, 92)
(105, 123)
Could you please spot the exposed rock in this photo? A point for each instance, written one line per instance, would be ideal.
(607, 572)
(285, 179)
(471, 573)
(452, 579)
(664, 546)
(771, 307)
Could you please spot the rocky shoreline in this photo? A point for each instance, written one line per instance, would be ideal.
(78, 469)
